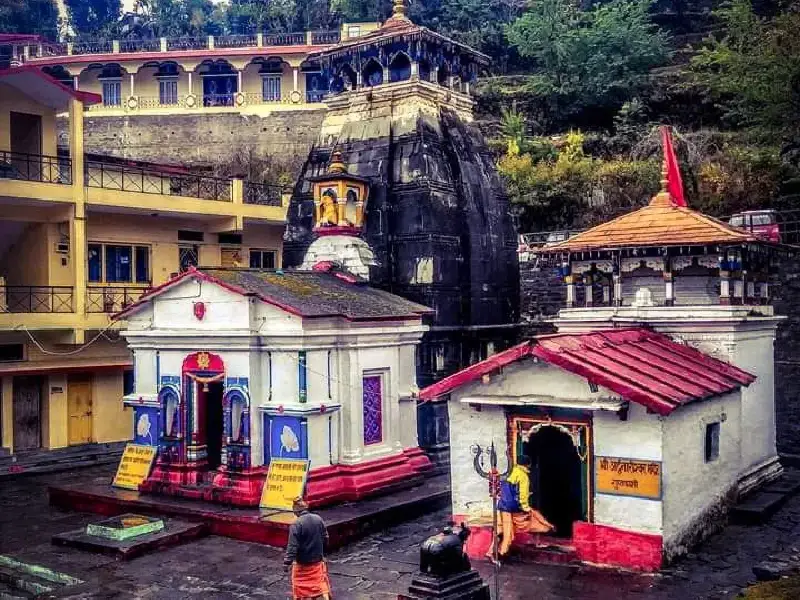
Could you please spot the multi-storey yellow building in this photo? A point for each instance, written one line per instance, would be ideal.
(79, 240)
(258, 73)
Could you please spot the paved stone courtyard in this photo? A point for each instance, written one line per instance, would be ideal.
(377, 567)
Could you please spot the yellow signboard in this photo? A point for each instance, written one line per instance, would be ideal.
(628, 477)
(137, 460)
(285, 482)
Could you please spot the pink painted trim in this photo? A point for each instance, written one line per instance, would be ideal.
(613, 547)
(337, 230)
(88, 98)
(174, 54)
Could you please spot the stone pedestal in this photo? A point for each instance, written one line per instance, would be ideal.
(462, 586)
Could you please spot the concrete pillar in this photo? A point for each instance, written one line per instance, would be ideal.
(570, 281)
(238, 80)
(260, 39)
(75, 81)
(78, 224)
(133, 87)
(211, 42)
(190, 81)
(296, 75)
(115, 46)
(724, 287)
(587, 286)
(385, 74)
(309, 38)
(414, 70)
(163, 41)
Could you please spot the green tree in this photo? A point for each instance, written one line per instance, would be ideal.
(29, 16)
(175, 18)
(753, 71)
(362, 10)
(582, 60)
(91, 18)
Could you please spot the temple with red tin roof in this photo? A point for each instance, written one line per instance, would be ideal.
(651, 410)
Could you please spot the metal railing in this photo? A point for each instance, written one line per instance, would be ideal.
(235, 41)
(141, 45)
(324, 38)
(103, 299)
(35, 167)
(93, 47)
(264, 194)
(46, 50)
(187, 43)
(149, 181)
(219, 99)
(284, 39)
(36, 299)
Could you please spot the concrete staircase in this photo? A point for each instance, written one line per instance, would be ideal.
(61, 459)
(758, 508)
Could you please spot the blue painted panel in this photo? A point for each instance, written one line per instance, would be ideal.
(286, 437)
(145, 425)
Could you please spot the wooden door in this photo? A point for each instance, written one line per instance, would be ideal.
(231, 257)
(79, 407)
(27, 413)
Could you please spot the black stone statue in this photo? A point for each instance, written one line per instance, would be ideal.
(445, 570)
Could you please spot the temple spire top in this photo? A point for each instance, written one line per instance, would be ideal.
(400, 10)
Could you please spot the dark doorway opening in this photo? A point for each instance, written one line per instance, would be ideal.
(213, 424)
(556, 475)
(26, 133)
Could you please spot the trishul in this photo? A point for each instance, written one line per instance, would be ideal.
(492, 473)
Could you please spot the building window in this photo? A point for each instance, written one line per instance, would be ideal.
(373, 409)
(262, 259)
(119, 263)
(712, 442)
(302, 375)
(168, 91)
(185, 235)
(187, 257)
(271, 88)
(353, 31)
(112, 93)
(12, 352)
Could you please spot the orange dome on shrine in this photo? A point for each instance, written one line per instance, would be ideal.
(660, 223)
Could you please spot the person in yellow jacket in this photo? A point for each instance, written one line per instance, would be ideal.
(516, 514)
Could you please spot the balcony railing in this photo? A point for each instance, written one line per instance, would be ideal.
(149, 181)
(236, 41)
(111, 299)
(324, 38)
(142, 45)
(93, 47)
(35, 299)
(35, 167)
(187, 43)
(263, 194)
(284, 39)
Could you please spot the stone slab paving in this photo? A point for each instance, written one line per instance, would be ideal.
(375, 568)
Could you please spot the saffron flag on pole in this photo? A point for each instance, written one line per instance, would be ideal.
(672, 170)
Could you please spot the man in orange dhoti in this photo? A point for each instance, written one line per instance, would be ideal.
(305, 555)
(516, 515)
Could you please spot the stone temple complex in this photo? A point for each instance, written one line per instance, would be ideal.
(435, 227)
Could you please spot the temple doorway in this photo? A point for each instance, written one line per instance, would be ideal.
(556, 478)
(212, 421)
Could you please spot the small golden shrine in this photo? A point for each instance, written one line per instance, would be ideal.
(339, 199)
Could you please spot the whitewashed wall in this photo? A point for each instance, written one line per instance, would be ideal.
(470, 493)
(640, 437)
(692, 486)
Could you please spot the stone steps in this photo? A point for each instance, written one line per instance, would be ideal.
(759, 507)
(60, 459)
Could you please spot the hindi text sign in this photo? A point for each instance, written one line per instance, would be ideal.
(286, 481)
(137, 460)
(628, 477)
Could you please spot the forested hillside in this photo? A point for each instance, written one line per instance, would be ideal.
(575, 91)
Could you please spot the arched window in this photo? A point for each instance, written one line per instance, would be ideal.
(170, 412)
(400, 68)
(372, 74)
(239, 426)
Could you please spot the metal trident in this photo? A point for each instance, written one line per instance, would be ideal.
(493, 476)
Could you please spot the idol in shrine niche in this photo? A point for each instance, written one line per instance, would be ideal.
(339, 198)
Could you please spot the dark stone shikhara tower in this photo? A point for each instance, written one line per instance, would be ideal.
(437, 219)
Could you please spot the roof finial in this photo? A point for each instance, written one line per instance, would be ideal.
(400, 9)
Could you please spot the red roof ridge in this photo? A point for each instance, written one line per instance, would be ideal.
(85, 97)
(637, 363)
